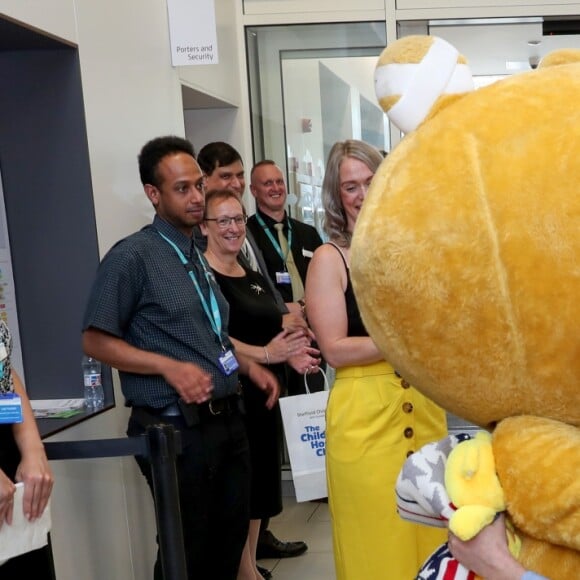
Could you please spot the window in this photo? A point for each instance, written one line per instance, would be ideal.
(310, 86)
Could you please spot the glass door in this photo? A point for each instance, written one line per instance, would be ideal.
(310, 86)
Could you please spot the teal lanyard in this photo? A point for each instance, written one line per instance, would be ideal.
(274, 241)
(213, 315)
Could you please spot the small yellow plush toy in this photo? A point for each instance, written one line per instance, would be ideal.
(473, 486)
(466, 267)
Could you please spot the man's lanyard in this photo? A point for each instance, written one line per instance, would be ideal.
(274, 241)
(213, 315)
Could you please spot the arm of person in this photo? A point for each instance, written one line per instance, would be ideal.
(326, 308)
(191, 383)
(292, 348)
(278, 350)
(294, 308)
(487, 554)
(261, 377)
(33, 469)
(292, 321)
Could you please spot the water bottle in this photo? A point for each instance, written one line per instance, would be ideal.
(94, 395)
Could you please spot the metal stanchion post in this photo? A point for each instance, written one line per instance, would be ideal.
(162, 454)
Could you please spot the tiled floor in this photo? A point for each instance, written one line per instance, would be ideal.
(310, 522)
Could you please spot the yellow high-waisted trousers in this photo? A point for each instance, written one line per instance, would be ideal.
(373, 421)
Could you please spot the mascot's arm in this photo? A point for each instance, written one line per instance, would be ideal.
(538, 465)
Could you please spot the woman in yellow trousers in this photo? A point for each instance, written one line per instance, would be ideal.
(375, 419)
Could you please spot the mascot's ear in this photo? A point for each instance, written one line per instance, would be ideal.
(563, 56)
(413, 73)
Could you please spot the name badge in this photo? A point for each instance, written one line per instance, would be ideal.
(307, 253)
(10, 409)
(283, 278)
(229, 362)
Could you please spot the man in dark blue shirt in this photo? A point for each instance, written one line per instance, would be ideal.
(156, 314)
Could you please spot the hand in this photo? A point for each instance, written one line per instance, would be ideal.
(192, 383)
(7, 490)
(38, 480)
(294, 308)
(286, 344)
(266, 381)
(306, 362)
(487, 554)
(292, 321)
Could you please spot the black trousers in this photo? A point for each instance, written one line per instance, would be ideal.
(37, 564)
(214, 485)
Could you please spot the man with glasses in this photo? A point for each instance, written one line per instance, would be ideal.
(156, 314)
(224, 169)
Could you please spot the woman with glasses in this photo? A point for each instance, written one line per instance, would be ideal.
(374, 418)
(255, 327)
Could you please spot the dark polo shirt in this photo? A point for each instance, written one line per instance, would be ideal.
(144, 295)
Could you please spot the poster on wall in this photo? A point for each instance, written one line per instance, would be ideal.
(192, 32)
(8, 312)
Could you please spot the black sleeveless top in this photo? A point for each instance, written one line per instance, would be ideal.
(355, 323)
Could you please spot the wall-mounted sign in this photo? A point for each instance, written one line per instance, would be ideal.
(192, 32)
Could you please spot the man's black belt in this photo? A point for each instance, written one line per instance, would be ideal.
(191, 413)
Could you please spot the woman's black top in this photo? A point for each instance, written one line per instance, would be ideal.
(355, 323)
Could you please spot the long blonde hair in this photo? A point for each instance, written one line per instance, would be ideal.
(335, 218)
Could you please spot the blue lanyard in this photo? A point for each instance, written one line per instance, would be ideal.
(274, 241)
(213, 315)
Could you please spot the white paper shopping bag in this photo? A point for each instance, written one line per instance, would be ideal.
(304, 422)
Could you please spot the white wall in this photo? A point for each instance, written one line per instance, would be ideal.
(58, 19)
(308, 6)
(132, 94)
(227, 82)
(221, 80)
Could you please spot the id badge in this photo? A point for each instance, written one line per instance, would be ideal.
(10, 409)
(283, 278)
(229, 362)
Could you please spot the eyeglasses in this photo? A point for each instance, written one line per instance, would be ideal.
(225, 221)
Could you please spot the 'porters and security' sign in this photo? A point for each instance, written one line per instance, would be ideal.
(192, 31)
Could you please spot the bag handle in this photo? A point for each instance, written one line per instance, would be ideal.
(326, 385)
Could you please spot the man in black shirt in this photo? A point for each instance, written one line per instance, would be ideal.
(157, 316)
(272, 228)
(269, 188)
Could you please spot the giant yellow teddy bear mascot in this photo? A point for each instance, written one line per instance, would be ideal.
(466, 267)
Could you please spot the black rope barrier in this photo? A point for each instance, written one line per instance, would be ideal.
(160, 444)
